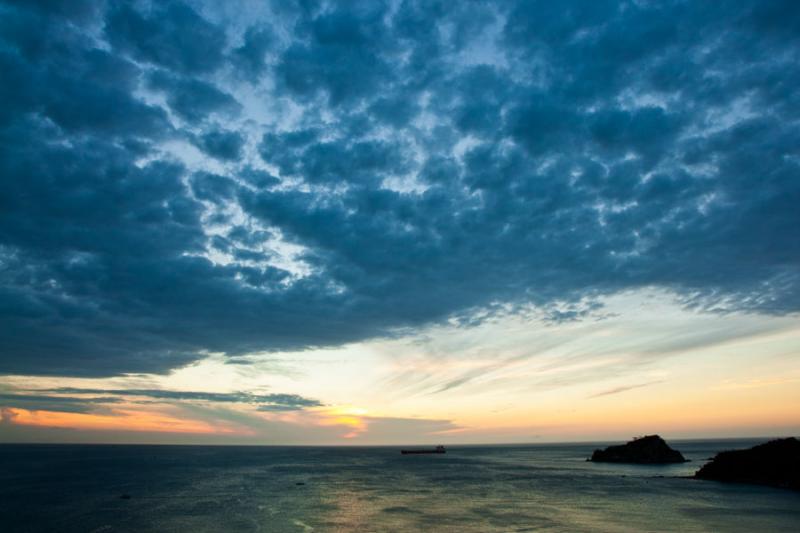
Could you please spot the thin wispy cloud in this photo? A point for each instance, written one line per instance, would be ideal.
(624, 388)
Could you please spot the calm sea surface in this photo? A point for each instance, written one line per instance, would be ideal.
(65, 488)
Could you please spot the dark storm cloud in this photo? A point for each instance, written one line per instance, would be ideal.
(438, 161)
(250, 58)
(225, 145)
(50, 68)
(212, 187)
(170, 34)
(193, 99)
(342, 53)
(327, 162)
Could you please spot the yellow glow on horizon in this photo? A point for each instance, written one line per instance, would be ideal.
(351, 417)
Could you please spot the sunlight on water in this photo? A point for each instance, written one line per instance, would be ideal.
(519, 488)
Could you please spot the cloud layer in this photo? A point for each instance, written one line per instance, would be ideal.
(58, 399)
(178, 180)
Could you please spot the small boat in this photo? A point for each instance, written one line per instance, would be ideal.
(438, 449)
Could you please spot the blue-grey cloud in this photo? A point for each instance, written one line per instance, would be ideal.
(249, 58)
(57, 399)
(433, 163)
(343, 54)
(192, 99)
(62, 404)
(170, 34)
(224, 145)
(212, 187)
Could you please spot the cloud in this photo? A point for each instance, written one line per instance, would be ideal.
(624, 388)
(265, 402)
(63, 404)
(225, 145)
(171, 34)
(413, 163)
(212, 187)
(404, 430)
(97, 401)
(332, 46)
(7, 416)
(193, 99)
(249, 58)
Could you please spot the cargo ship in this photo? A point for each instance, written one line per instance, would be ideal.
(438, 449)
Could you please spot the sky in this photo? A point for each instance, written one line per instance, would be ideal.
(256, 222)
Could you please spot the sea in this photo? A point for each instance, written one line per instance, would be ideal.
(116, 488)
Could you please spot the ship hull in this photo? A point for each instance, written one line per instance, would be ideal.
(421, 452)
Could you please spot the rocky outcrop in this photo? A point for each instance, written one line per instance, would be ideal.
(775, 463)
(650, 450)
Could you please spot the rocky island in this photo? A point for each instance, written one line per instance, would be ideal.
(775, 463)
(650, 450)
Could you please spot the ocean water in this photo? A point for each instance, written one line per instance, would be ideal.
(66, 488)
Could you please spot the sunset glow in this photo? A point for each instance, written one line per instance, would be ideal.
(121, 420)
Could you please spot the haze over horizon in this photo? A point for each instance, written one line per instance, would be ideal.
(398, 222)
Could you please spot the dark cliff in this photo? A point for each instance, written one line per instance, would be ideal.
(775, 463)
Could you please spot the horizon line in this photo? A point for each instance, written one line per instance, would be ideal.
(463, 445)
